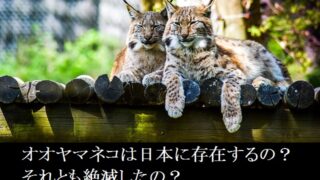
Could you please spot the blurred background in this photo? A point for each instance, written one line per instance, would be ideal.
(61, 39)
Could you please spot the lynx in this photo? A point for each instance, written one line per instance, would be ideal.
(143, 58)
(194, 52)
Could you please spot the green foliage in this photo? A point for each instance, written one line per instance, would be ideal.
(287, 29)
(314, 77)
(37, 58)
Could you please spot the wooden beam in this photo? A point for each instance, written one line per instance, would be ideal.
(115, 123)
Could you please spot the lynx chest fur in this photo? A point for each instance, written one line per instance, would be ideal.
(144, 54)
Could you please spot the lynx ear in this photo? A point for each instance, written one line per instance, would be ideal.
(132, 11)
(164, 13)
(171, 9)
(207, 9)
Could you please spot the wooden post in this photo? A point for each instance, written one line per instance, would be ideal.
(211, 92)
(317, 95)
(133, 94)
(80, 89)
(28, 92)
(269, 96)
(248, 95)
(108, 92)
(48, 92)
(191, 91)
(9, 89)
(155, 94)
(300, 95)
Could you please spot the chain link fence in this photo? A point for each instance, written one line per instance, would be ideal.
(65, 19)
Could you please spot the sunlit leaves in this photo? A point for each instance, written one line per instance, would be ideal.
(37, 58)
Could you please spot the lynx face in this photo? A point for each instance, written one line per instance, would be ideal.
(146, 29)
(188, 27)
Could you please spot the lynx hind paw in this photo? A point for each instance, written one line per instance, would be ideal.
(151, 79)
(261, 81)
(232, 120)
(127, 77)
(283, 86)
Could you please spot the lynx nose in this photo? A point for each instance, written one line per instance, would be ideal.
(184, 37)
(147, 39)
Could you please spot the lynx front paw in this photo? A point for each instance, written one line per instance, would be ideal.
(127, 77)
(150, 79)
(232, 119)
(175, 109)
(174, 112)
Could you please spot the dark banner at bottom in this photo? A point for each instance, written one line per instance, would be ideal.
(130, 161)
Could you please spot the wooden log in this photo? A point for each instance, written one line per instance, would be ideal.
(211, 92)
(133, 94)
(248, 95)
(317, 95)
(300, 95)
(191, 91)
(108, 92)
(9, 89)
(269, 96)
(28, 92)
(155, 94)
(80, 89)
(48, 92)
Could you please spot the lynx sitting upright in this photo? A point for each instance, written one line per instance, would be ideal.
(144, 55)
(193, 52)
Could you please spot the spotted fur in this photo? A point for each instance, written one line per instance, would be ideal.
(143, 58)
(193, 52)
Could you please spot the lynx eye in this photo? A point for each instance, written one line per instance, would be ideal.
(139, 26)
(176, 23)
(158, 26)
(194, 22)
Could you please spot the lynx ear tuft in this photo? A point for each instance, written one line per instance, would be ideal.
(132, 11)
(171, 9)
(207, 9)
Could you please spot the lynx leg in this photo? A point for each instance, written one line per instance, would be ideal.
(175, 99)
(230, 101)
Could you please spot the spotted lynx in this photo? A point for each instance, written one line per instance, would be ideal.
(193, 52)
(143, 58)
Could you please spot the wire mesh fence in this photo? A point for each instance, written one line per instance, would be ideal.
(65, 19)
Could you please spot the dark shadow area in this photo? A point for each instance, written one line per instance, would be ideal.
(61, 120)
(17, 116)
(92, 109)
